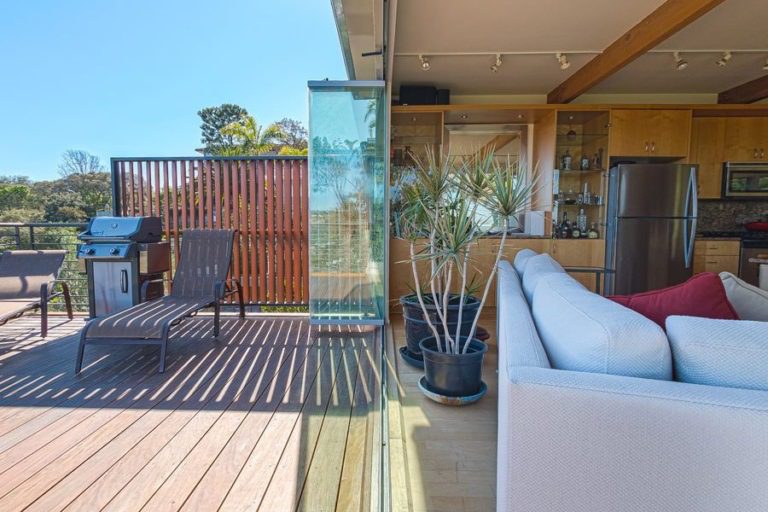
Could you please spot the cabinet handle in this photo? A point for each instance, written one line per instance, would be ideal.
(754, 155)
(653, 147)
(646, 147)
(762, 153)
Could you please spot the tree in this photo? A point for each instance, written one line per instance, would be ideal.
(249, 138)
(214, 119)
(293, 134)
(79, 162)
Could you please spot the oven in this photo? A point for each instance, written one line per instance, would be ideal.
(744, 181)
(754, 247)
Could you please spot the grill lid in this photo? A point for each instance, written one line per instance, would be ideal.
(130, 229)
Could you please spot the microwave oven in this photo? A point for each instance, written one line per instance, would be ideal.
(745, 181)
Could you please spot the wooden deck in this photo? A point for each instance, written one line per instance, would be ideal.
(276, 415)
(441, 458)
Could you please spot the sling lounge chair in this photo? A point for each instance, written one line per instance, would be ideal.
(200, 282)
(27, 282)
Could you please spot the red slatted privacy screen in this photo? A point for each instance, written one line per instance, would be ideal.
(264, 198)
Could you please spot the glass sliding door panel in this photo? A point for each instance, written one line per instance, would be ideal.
(347, 201)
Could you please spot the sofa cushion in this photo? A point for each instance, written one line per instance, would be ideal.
(702, 295)
(537, 267)
(750, 302)
(519, 341)
(583, 331)
(719, 352)
(521, 260)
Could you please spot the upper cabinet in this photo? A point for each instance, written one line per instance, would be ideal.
(650, 133)
(746, 139)
(707, 147)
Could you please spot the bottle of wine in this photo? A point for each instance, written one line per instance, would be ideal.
(581, 221)
(593, 232)
(565, 227)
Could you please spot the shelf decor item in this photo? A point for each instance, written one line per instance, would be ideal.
(447, 208)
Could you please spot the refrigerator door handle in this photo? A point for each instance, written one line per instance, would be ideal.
(691, 210)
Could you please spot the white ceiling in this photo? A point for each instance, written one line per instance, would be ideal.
(434, 27)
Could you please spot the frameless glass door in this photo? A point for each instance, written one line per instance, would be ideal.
(347, 201)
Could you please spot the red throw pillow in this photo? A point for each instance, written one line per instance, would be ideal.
(702, 295)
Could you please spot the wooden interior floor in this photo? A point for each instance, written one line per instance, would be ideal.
(276, 415)
(441, 458)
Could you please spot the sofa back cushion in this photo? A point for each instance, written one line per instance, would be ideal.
(519, 342)
(702, 295)
(537, 267)
(750, 302)
(521, 260)
(719, 352)
(583, 331)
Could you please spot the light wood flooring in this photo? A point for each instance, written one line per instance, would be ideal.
(441, 458)
(276, 415)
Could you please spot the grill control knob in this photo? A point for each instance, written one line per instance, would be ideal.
(90, 250)
(114, 251)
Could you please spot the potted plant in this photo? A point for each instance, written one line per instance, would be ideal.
(445, 210)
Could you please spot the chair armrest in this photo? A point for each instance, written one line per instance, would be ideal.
(580, 441)
(145, 288)
(221, 290)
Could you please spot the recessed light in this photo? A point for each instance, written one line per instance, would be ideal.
(425, 65)
(464, 116)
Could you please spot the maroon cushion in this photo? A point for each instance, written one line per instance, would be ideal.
(702, 295)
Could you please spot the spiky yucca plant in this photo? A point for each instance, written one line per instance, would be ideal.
(445, 204)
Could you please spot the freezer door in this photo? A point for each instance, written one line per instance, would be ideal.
(650, 254)
(655, 190)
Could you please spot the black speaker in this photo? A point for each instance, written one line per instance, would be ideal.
(443, 96)
(417, 95)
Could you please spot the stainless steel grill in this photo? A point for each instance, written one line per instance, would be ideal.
(124, 259)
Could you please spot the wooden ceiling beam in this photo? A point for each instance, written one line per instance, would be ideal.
(667, 19)
(749, 92)
(498, 142)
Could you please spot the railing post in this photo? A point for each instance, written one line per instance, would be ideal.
(17, 236)
(116, 187)
(32, 237)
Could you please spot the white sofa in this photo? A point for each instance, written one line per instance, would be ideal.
(586, 441)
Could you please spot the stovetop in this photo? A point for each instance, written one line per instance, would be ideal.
(744, 235)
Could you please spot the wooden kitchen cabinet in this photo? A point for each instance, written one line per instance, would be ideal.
(650, 133)
(707, 150)
(580, 253)
(716, 256)
(746, 139)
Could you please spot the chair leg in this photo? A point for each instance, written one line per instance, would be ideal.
(216, 318)
(163, 347)
(80, 353)
(44, 318)
(67, 300)
(240, 298)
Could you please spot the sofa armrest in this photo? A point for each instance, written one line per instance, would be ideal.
(594, 442)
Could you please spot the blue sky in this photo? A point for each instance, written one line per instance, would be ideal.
(126, 78)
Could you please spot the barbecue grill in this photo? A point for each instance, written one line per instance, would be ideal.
(124, 260)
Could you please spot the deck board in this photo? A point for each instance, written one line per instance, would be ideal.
(275, 415)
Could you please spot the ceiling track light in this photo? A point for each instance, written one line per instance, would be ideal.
(680, 63)
(497, 65)
(723, 61)
(425, 65)
(563, 60)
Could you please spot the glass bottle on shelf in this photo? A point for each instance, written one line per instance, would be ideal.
(567, 160)
(565, 227)
(581, 221)
(593, 232)
(584, 162)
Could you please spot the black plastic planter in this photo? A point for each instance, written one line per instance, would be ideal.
(454, 375)
(416, 327)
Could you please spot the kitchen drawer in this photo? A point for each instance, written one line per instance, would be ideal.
(718, 247)
(716, 264)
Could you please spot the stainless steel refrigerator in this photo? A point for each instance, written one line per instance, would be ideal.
(651, 226)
